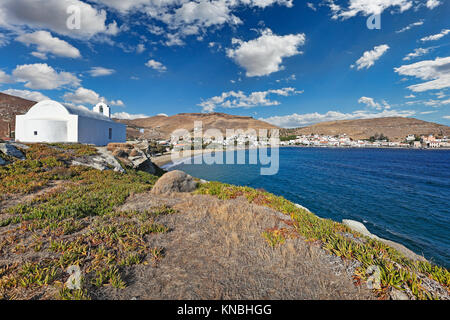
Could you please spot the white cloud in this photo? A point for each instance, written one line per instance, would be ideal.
(300, 120)
(52, 15)
(26, 94)
(233, 99)
(446, 117)
(369, 57)
(128, 116)
(39, 55)
(185, 17)
(46, 43)
(264, 55)
(435, 37)
(436, 72)
(411, 96)
(431, 4)
(410, 26)
(436, 103)
(156, 65)
(311, 6)
(83, 96)
(140, 48)
(3, 40)
(367, 7)
(370, 102)
(417, 53)
(87, 96)
(116, 103)
(5, 78)
(100, 71)
(42, 76)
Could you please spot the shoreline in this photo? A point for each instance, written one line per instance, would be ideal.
(166, 159)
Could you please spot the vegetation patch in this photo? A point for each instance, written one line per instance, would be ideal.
(77, 224)
(396, 270)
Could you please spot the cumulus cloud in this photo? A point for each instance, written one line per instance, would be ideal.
(367, 7)
(410, 26)
(435, 37)
(156, 65)
(100, 72)
(185, 17)
(233, 99)
(52, 15)
(26, 94)
(436, 72)
(46, 43)
(128, 116)
(42, 76)
(87, 96)
(431, 4)
(116, 103)
(300, 120)
(83, 96)
(369, 57)
(264, 55)
(5, 78)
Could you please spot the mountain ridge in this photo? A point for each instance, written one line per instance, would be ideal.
(395, 128)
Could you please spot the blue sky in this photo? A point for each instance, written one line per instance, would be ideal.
(289, 62)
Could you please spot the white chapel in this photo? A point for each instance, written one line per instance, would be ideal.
(51, 122)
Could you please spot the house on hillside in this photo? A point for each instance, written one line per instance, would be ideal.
(51, 122)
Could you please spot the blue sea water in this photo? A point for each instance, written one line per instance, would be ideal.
(399, 194)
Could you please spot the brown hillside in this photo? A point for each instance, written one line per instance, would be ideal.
(395, 128)
(10, 106)
(162, 126)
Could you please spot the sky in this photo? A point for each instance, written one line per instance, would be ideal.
(289, 62)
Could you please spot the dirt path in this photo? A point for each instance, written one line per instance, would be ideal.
(215, 250)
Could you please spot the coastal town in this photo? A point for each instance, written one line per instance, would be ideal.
(313, 140)
(410, 141)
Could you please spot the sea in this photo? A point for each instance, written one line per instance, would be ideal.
(399, 194)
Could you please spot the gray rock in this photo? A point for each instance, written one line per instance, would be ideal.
(2, 162)
(174, 181)
(103, 161)
(396, 294)
(11, 150)
(301, 207)
(361, 228)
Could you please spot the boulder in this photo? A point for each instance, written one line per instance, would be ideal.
(174, 181)
(102, 161)
(11, 150)
(2, 162)
(395, 294)
(361, 228)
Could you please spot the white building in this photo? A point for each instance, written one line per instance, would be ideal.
(51, 122)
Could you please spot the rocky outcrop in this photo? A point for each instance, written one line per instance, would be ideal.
(361, 228)
(133, 156)
(102, 161)
(174, 181)
(10, 150)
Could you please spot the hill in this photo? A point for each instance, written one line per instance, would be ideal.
(10, 106)
(395, 128)
(160, 127)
